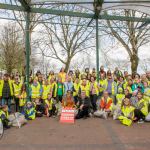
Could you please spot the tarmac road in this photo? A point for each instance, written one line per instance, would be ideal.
(89, 134)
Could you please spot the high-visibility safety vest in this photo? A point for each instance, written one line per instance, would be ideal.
(23, 99)
(128, 115)
(63, 76)
(85, 88)
(95, 87)
(10, 86)
(35, 91)
(113, 87)
(144, 109)
(2, 113)
(49, 103)
(46, 90)
(120, 98)
(103, 84)
(76, 89)
(51, 76)
(147, 95)
(53, 89)
(31, 113)
(17, 89)
(129, 88)
(106, 104)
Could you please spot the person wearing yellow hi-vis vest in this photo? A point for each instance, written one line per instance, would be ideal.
(46, 89)
(141, 108)
(35, 90)
(30, 112)
(17, 91)
(127, 112)
(146, 92)
(84, 86)
(102, 84)
(111, 87)
(120, 96)
(53, 88)
(4, 116)
(50, 106)
(22, 99)
(94, 92)
(75, 90)
(6, 91)
(51, 75)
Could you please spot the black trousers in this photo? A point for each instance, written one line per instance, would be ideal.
(16, 104)
(139, 115)
(52, 112)
(93, 101)
(76, 98)
(59, 98)
(83, 113)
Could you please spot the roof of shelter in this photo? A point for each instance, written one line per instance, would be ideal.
(139, 5)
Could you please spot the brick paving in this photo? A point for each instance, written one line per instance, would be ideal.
(90, 134)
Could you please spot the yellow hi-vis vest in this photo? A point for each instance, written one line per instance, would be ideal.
(86, 89)
(76, 88)
(113, 87)
(2, 85)
(23, 99)
(17, 89)
(53, 89)
(128, 115)
(46, 91)
(102, 85)
(120, 98)
(95, 87)
(147, 95)
(144, 109)
(49, 103)
(35, 91)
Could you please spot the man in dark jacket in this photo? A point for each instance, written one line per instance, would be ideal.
(83, 105)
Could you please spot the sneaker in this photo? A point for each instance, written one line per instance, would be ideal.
(141, 121)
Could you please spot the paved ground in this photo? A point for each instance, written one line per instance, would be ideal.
(89, 134)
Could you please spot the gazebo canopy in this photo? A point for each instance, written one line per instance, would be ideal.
(139, 5)
(96, 11)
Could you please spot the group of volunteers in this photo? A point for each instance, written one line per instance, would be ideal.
(117, 94)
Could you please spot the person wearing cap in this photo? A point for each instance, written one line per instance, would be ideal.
(17, 91)
(30, 112)
(6, 91)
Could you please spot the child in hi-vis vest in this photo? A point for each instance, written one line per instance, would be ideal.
(127, 112)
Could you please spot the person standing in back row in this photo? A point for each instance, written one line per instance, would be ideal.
(6, 91)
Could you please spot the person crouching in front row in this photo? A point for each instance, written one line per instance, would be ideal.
(83, 106)
(30, 112)
(105, 106)
(127, 112)
(50, 108)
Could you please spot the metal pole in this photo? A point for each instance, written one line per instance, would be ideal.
(97, 49)
(27, 47)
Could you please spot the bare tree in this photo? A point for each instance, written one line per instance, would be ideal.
(129, 35)
(11, 48)
(68, 37)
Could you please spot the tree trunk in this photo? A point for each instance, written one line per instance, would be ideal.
(67, 65)
(134, 63)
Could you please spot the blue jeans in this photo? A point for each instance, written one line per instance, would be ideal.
(6, 101)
